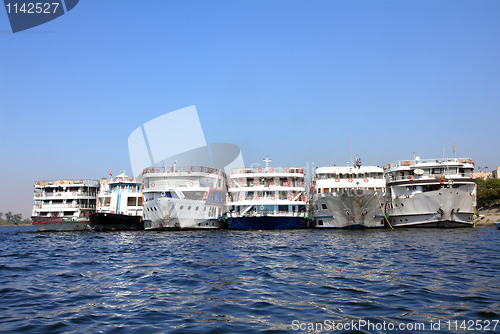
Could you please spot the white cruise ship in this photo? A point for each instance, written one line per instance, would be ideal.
(348, 197)
(119, 204)
(267, 198)
(190, 197)
(64, 205)
(431, 192)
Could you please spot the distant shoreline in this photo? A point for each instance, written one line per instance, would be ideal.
(18, 224)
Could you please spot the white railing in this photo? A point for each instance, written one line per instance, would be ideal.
(65, 183)
(269, 200)
(267, 214)
(64, 194)
(286, 184)
(401, 163)
(188, 169)
(63, 207)
(292, 170)
(431, 177)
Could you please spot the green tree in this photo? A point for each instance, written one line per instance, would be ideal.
(488, 191)
(8, 216)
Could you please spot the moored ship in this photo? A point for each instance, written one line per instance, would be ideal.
(348, 197)
(119, 205)
(267, 198)
(431, 193)
(64, 205)
(191, 197)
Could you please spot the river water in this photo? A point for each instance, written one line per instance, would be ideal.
(403, 280)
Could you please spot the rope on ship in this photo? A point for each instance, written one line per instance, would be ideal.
(381, 208)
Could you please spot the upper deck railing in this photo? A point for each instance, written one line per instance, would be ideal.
(65, 183)
(188, 169)
(248, 170)
(428, 162)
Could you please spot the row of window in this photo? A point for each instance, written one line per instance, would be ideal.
(373, 175)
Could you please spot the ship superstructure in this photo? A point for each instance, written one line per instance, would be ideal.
(267, 198)
(350, 197)
(431, 192)
(190, 197)
(119, 204)
(64, 205)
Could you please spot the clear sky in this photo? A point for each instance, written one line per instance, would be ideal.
(300, 81)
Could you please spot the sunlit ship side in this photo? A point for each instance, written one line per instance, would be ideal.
(267, 198)
(348, 197)
(431, 193)
(119, 205)
(190, 197)
(64, 205)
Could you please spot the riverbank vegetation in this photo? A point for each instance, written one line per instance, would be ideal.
(488, 192)
(10, 219)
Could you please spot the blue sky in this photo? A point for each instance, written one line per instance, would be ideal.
(300, 81)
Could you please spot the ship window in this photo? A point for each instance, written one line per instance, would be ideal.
(323, 206)
(320, 222)
(437, 171)
(282, 207)
(182, 207)
(197, 208)
(132, 201)
(189, 207)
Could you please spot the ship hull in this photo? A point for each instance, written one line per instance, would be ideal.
(51, 224)
(115, 222)
(439, 208)
(181, 214)
(350, 209)
(266, 223)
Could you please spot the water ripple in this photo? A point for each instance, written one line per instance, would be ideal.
(244, 281)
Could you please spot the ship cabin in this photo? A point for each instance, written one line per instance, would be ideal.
(121, 194)
(339, 179)
(408, 177)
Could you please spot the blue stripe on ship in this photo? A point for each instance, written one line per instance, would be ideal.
(266, 223)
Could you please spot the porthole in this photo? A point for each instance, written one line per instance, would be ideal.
(197, 208)
(182, 207)
(189, 207)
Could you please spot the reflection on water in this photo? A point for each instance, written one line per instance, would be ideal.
(243, 281)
